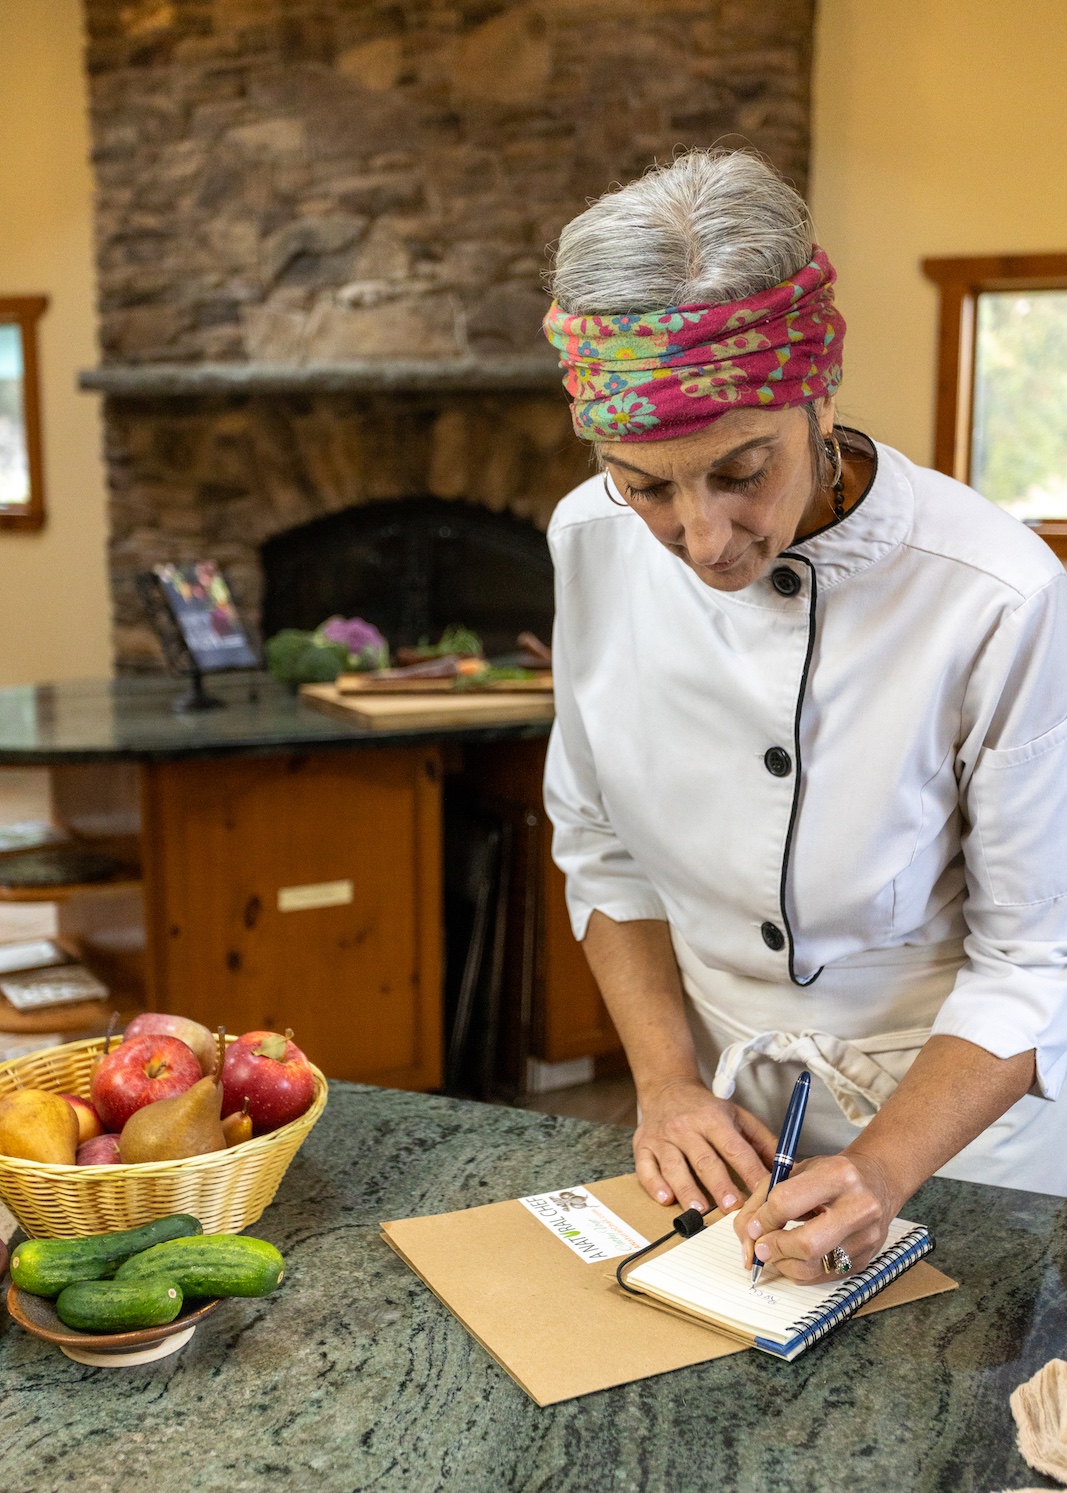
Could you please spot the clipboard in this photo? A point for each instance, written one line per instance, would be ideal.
(557, 1324)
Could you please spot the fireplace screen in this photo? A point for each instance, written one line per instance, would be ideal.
(413, 567)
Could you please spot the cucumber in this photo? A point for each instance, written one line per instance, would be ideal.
(44, 1267)
(119, 1306)
(213, 1265)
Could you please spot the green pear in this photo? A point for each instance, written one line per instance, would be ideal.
(172, 1129)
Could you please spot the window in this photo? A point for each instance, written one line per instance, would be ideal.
(1019, 421)
(1002, 383)
(21, 482)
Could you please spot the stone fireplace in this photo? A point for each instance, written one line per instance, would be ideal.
(227, 476)
(321, 228)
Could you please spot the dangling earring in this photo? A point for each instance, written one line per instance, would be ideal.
(832, 447)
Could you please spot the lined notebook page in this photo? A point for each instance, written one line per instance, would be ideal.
(706, 1275)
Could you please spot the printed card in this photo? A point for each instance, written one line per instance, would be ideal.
(584, 1224)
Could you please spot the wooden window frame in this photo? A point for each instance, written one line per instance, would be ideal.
(961, 282)
(26, 311)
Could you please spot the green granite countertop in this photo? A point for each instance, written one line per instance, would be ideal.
(354, 1377)
(99, 720)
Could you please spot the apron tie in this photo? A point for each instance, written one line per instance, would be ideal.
(858, 1084)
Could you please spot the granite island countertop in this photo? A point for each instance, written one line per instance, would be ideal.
(133, 720)
(354, 1377)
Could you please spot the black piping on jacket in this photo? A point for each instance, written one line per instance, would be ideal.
(797, 768)
(792, 555)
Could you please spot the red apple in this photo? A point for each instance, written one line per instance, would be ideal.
(274, 1076)
(89, 1125)
(103, 1150)
(139, 1073)
(162, 1023)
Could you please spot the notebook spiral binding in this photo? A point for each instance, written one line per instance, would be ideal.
(856, 1292)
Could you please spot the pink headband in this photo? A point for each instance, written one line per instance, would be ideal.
(657, 374)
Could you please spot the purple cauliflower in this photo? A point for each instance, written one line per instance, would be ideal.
(367, 649)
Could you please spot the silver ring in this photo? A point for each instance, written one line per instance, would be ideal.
(837, 1262)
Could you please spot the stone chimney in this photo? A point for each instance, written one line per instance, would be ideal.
(321, 231)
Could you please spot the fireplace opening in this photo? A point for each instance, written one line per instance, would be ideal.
(412, 566)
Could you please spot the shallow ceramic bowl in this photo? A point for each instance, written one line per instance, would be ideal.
(105, 1349)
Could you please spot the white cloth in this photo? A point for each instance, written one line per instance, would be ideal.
(916, 681)
(873, 1014)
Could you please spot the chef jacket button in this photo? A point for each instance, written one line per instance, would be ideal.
(773, 936)
(785, 581)
(778, 762)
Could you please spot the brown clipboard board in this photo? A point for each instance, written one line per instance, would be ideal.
(557, 1324)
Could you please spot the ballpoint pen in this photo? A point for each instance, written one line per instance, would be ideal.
(786, 1150)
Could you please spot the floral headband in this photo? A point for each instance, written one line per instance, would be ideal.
(657, 374)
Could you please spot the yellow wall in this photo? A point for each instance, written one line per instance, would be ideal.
(939, 128)
(54, 608)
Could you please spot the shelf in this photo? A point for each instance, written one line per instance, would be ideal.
(19, 839)
(535, 374)
(66, 891)
(81, 1019)
(126, 995)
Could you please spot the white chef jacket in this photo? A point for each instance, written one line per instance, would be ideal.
(865, 749)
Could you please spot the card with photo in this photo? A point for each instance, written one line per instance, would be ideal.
(203, 608)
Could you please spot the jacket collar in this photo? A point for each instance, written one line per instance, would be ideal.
(878, 524)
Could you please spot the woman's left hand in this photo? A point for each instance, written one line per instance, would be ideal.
(852, 1203)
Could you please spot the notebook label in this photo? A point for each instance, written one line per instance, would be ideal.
(584, 1224)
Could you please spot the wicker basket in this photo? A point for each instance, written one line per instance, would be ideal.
(226, 1190)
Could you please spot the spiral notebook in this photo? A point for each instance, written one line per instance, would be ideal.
(704, 1277)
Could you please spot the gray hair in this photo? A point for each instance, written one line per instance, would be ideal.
(713, 226)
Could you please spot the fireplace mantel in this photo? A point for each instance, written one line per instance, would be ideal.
(377, 376)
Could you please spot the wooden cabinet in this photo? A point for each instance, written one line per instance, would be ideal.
(303, 891)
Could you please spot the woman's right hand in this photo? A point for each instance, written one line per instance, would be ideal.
(687, 1140)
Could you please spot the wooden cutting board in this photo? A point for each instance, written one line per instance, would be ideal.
(389, 712)
(371, 684)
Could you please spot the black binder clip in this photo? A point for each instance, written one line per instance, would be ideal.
(687, 1225)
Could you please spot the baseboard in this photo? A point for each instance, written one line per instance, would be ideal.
(545, 1078)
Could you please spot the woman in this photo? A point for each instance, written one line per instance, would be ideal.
(809, 771)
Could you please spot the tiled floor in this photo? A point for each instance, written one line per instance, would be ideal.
(611, 1101)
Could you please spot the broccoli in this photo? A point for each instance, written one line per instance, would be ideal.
(296, 657)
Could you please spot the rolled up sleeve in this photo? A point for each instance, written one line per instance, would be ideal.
(1011, 994)
(601, 873)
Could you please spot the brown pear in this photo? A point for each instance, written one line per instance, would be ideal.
(172, 1129)
(237, 1128)
(38, 1126)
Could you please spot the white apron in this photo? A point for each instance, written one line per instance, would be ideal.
(857, 1030)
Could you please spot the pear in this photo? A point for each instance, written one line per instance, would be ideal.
(237, 1128)
(38, 1126)
(171, 1129)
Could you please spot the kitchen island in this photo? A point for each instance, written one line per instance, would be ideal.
(282, 867)
(355, 1377)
